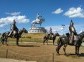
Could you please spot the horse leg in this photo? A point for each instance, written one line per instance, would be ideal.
(17, 40)
(59, 45)
(58, 48)
(47, 41)
(3, 42)
(53, 41)
(64, 48)
(78, 50)
(6, 42)
(44, 41)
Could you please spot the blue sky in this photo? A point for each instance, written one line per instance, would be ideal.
(55, 12)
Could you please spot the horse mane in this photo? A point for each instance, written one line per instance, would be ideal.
(22, 30)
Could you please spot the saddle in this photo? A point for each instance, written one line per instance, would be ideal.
(51, 36)
(73, 40)
(13, 33)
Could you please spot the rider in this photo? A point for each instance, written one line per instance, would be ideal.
(14, 29)
(72, 32)
(51, 33)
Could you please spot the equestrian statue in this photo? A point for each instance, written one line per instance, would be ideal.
(14, 33)
(50, 36)
(71, 38)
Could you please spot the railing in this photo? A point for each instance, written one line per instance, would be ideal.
(14, 55)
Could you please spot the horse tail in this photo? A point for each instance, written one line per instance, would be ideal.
(44, 39)
(59, 41)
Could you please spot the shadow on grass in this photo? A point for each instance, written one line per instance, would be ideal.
(28, 46)
(75, 55)
(81, 55)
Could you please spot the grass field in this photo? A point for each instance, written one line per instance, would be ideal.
(40, 53)
(32, 49)
(29, 38)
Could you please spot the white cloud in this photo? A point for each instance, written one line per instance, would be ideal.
(9, 19)
(58, 11)
(13, 13)
(79, 28)
(1, 25)
(75, 12)
(58, 29)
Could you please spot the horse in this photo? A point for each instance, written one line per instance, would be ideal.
(16, 35)
(64, 41)
(4, 38)
(50, 37)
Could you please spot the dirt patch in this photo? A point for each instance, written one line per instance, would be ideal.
(40, 53)
(13, 60)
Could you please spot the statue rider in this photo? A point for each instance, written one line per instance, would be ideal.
(50, 30)
(72, 32)
(14, 29)
(50, 33)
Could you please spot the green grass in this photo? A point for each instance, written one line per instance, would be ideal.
(28, 38)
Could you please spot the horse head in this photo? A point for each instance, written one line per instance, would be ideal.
(23, 31)
(56, 34)
(67, 34)
(81, 34)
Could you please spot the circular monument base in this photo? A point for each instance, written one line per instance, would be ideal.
(37, 30)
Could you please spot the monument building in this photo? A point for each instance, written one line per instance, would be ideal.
(36, 25)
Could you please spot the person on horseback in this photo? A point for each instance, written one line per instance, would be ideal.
(14, 29)
(51, 34)
(72, 32)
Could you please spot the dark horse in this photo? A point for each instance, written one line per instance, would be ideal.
(50, 37)
(64, 41)
(5, 36)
